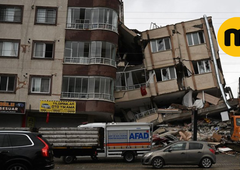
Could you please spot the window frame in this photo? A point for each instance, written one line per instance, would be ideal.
(40, 93)
(13, 22)
(14, 85)
(155, 43)
(45, 23)
(196, 65)
(92, 18)
(12, 41)
(20, 146)
(94, 49)
(198, 38)
(44, 42)
(86, 90)
(160, 77)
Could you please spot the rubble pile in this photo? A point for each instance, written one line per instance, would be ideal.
(209, 130)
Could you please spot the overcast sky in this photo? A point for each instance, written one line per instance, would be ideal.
(139, 14)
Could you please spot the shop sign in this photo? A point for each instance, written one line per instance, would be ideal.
(12, 107)
(57, 106)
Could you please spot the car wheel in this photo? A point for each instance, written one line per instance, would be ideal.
(157, 162)
(206, 163)
(68, 159)
(17, 166)
(129, 156)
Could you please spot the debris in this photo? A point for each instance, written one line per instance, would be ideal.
(224, 149)
(216, 137)
(209, 98)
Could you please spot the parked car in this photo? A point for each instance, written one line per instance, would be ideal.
(23, 150)
(182, 153)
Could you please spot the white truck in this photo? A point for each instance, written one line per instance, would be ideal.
(126, 140)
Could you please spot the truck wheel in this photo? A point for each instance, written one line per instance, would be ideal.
(94, 157)
(129, 156)
(68, 159)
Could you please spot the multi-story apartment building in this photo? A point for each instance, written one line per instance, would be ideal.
(174, 60)
(60, 50)
(80, 52)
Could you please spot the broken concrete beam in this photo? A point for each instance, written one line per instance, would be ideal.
(209, 98)
(169, 111)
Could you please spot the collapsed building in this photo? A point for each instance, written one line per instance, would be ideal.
(166, 72)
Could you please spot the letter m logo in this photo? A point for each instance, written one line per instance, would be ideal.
(228, 37)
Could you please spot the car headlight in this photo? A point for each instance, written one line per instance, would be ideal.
(148, 154)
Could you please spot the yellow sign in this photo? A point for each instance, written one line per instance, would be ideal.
(229, 36)
(57, 106)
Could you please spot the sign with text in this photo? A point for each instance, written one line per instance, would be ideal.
(12, 107)
(57, 106)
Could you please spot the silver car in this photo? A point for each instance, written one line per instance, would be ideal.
(182, 153)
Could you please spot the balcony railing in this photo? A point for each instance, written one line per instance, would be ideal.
(96, 96)
(145, 113)
(131, 87)
(85, 60)
(92, 26)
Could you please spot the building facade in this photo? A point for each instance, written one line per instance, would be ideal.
(58, 51)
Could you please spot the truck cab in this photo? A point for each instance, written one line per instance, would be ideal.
(235, 129)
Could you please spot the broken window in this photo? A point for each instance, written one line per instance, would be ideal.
(160, 45)
(201, 67)
(130, 80)
(165, 74)
(195, 38)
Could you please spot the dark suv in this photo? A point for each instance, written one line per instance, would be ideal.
(23, 150)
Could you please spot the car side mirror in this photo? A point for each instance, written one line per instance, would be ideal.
(170, 150)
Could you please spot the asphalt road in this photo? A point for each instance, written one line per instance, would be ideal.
(224, 162)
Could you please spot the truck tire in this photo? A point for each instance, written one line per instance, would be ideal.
(94, 157)
(129, 156)
(68, 159)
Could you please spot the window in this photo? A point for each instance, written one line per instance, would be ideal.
(165, 74)
(238, 121)
(160, 45)
(11, 14)
(43, 50)
(201, 67)
(19, 140)
(4, 140)
(178, 147)
(92, 18)
(195, 38)
(7, 83)
(194, 146)
(94, 52)
(130, 80)
(88, 88)
(40, 85)
(46, 15)
(9, 48)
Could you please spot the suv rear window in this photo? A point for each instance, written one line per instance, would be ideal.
(4, 141)
(19, 140)
(193, 146)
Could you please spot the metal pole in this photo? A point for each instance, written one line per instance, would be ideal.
(215, 62)
(194, 123)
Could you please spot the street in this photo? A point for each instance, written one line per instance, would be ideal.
(224, 162)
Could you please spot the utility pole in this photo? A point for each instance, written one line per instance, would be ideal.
(194, 123)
